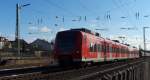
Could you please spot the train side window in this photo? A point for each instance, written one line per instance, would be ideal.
(117, 50)
(103, 48)
(113, 49)
(107, 48)
(110, 48)
(91, 47)
(95, 47)
(121, 50)
(99, 48)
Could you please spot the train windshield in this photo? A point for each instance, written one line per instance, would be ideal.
(66, 41)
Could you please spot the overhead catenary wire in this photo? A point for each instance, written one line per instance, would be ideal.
(137, 14)
(91, 12)
(60, 7)
(120, 6)
(86, 8)
(68, 12)
(54, 4)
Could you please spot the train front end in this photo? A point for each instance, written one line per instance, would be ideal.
(68, 46)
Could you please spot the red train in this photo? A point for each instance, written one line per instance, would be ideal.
(83, 46)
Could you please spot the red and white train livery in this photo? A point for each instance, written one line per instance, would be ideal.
(82, 46)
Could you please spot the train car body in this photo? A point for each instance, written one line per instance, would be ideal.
(82, 46)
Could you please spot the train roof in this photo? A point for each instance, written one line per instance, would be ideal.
(98, 35)
(87, 31)
(83, 30)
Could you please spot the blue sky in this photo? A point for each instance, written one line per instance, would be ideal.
(40, 17)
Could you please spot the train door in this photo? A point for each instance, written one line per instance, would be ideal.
(84, 46)
(110, 51)
(113, 51)
(104, 51)
(99, 52)
(107, 51)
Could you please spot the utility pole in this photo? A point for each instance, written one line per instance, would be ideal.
(17, 36)
(144, 40)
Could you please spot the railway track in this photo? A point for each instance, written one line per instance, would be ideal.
(47, 73)
(102, 73)
(83, 73)
(26, 70)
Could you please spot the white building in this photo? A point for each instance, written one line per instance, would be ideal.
(4, 42)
